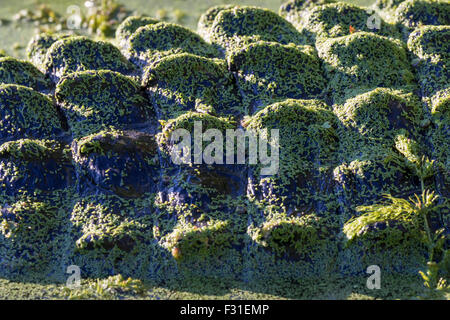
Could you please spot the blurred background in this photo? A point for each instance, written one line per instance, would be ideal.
(21, 19)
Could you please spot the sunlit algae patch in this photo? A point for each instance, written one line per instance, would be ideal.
(86, 173)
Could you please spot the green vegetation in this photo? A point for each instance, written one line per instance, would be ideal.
(13, 71)
(236, 27)
(38, 46)
(173, 95)
(341, 19)
(414, 13)
(72, 54)
(95, 100)
(129, 26)
(363, 60)
(26, 113)
(87, 179)
(268, 72)
(152, 42)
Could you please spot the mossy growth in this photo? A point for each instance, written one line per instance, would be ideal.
(341, 19)
(124, 162)
(431, 49)
(377, 117)
(26, 113)
(34, 167)
(111, 288)
(95, 100)
(268, 72)
(387, 225)
(295, 236)
(80, 53)
(215, 179)
(414, 13)
(183, 82)
(13, 71)
(38, 46)
(34, 150)
(387, 5)
(308, 142)
(187, 121)
(199, 241)
(151, 43)
(106, 227)
(26, 231)
(238, 26)
(295, 11)
(379, 127)
(129, 26)
(363, 60)
(207, 19)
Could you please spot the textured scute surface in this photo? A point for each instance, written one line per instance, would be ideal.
(235, 27)
(151, 43)
(431, 47)
(95, 100)
(204, 181)
(135, 153)
(129, 26)
(307, 146)
(187, 82)
(26, 236)
(13, 71)
(364, 60)
(90, 144)
(338, 19)
(295, 11)
(207, 19)
(38, 46)
(79, 53)
(413, 13)
(34, 166)
(269, 72)
(27, 113)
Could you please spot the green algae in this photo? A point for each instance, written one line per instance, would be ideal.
(413, 13)
(95, 100)
(341, 19)
(308, 141)
(33, 149)
(13, 71)
(207, 86)
(73, 54)
(26, 229)
(364, 60)
(27, 113)
(135, 153)
(378, 126)
(187, 120)
(430, 47)
(207, 19)
(295, 11)
(105, 229)
(38, 46)
(238, 26)
(197, 242)
(293, 72)
(114, 287)
(293, 236)
(151, 43)
(129, 26)
(207, 220)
